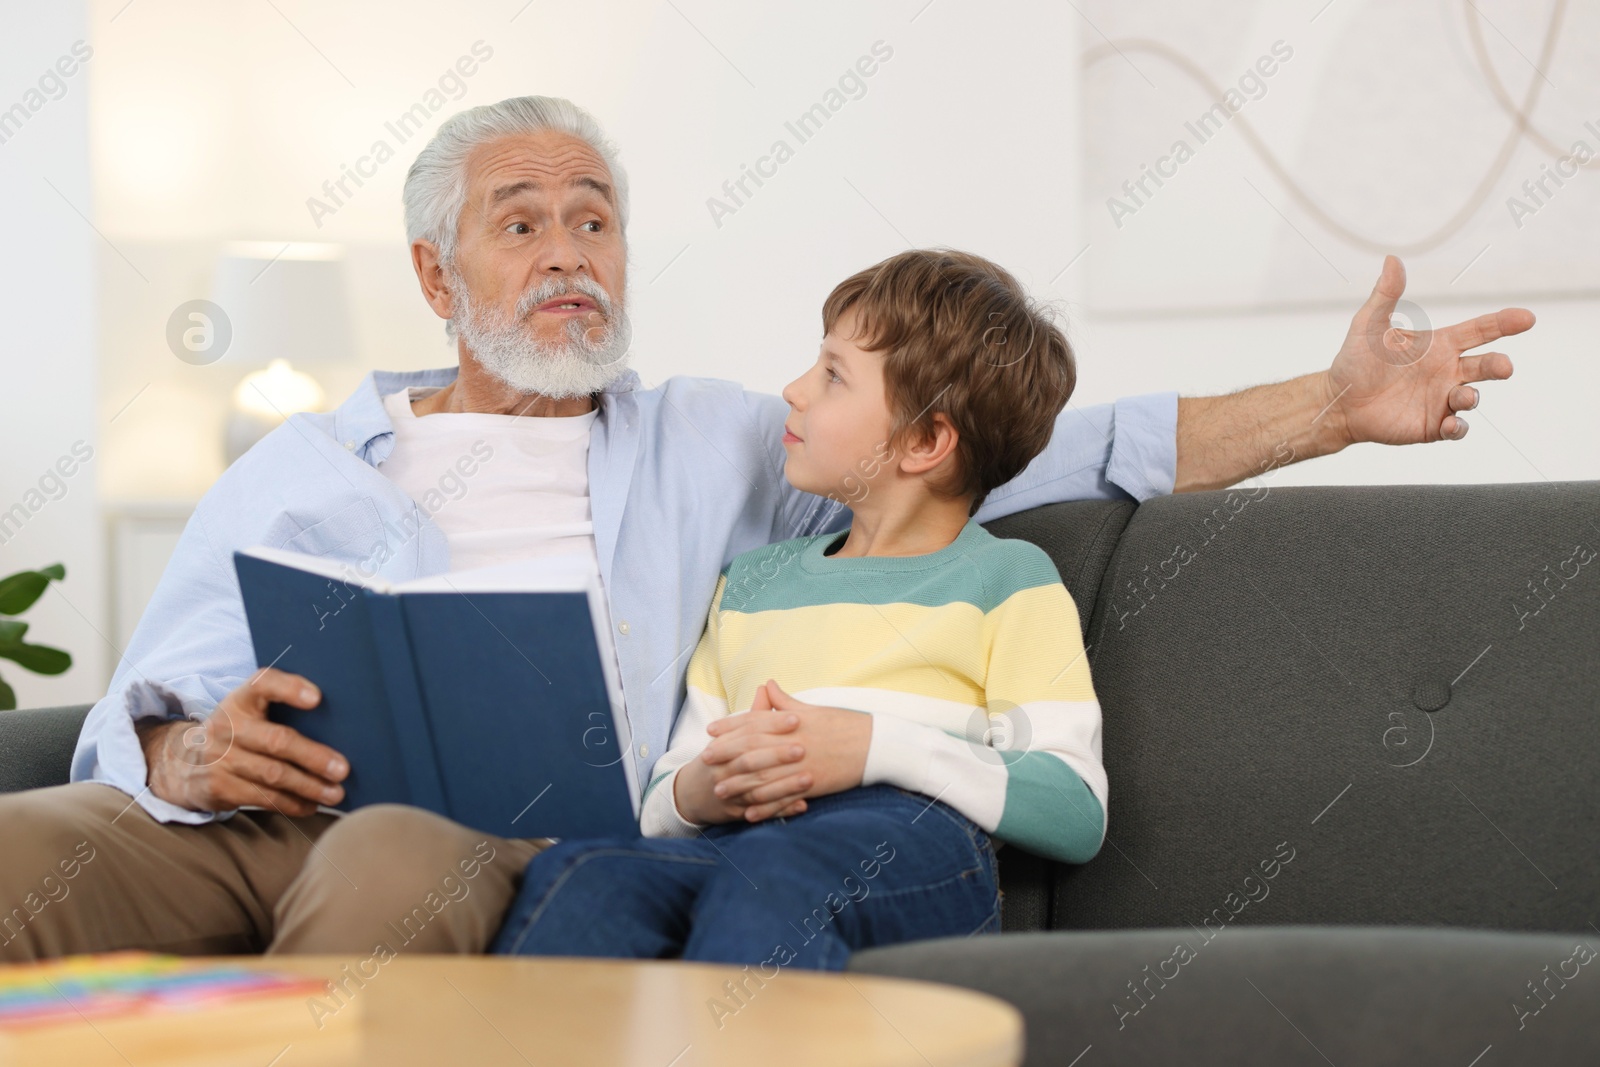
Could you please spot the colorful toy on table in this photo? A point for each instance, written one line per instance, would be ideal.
(165, 1008)
(98, 987)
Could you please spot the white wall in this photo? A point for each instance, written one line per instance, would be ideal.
(50, 402)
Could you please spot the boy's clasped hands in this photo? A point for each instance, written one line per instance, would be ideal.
(766, 761)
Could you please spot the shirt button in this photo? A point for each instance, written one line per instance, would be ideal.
(644, 751)
(351, 445)
(622, 627)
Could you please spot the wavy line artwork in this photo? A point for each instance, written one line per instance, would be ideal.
(1521, 126)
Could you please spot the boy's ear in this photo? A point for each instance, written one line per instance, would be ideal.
(926, 449)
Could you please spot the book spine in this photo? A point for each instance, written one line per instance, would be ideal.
(404, 693)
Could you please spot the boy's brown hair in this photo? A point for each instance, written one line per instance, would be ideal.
(959, 335)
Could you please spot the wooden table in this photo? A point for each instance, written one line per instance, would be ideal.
(447, 1010)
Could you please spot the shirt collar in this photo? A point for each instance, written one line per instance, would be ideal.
(362, 419)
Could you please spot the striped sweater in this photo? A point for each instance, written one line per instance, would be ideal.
(969, 659)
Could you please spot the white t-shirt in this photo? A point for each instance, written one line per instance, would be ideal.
(501, 487)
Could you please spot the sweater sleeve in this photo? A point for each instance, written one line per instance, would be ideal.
(1033, 776)
(705, 701)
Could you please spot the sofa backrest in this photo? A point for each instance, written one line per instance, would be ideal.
(1349, 705)
(36, 746)
(1080, 539)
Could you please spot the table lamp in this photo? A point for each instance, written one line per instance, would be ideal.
(287, 307)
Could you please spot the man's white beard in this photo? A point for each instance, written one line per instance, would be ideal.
(587, 360)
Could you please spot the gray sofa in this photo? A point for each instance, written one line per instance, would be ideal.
(1352, 740)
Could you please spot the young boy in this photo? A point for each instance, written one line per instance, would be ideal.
(865, 709)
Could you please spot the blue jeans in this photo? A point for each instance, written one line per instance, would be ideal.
(870, 866)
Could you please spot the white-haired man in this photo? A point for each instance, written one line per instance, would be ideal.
(192, 822)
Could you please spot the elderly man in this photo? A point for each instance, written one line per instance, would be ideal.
(193, 822)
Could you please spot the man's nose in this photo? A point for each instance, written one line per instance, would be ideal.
(558, 253)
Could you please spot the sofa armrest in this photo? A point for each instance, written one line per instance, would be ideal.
(36, 746)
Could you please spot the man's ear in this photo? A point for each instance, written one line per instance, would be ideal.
(431, 276)
(926, 449)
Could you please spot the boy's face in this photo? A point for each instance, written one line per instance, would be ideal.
(839, 422)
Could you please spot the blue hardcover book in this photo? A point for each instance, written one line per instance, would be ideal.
(488, 696)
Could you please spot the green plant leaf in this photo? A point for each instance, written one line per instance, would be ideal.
(40, 659)
(11, 632)
(8, 697)
(20, 590)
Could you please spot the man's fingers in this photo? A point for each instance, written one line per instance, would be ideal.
(1453, 428)
(279, 777)
(280, 802)
(1387, 291)
(1486, 329)
(1486, 367)
(283, 743)
(1463, 398)
(270, 685)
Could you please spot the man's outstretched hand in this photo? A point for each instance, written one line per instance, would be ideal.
(238, 757)
(1388, 384)
(1404, 386)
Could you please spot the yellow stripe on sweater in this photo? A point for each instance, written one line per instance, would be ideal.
(942, 652)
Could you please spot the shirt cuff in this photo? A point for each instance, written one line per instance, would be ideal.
(900, 753)
(660, 817)
(119, 757)
(1144, 445)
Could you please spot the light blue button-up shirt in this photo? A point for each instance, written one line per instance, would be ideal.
(682, 478)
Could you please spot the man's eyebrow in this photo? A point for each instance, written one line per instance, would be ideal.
(505, 192)
(597, 185)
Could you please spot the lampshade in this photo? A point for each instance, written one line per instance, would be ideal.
(284, 302)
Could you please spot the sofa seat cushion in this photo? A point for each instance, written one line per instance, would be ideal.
(1284, 996)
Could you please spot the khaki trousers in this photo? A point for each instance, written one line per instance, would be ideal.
(85, 869)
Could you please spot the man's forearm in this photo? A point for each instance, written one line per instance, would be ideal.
(1225, 439)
